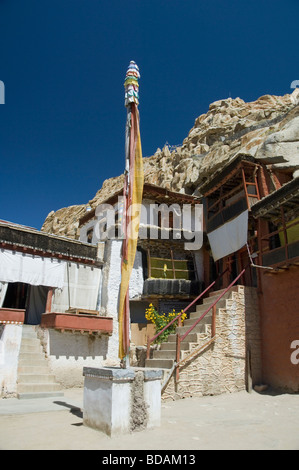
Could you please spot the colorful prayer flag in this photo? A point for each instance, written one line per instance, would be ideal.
(133, 191)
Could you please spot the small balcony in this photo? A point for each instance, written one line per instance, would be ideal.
(78, 322)
(12, 315)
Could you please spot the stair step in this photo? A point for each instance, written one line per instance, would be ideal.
(27, 341)
(164, 354)
(159, 363)
(34, 365)
(171, 346)
(27, 369)
(204, 306)
(28, 395)
(38, 387)
(30, 358)
(192, 337)
(199, 328)
(35, 348)
(216, 292)
(207, 319)
(36, 378)
(28, 331)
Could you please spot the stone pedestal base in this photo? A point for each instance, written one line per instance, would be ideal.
(118, 401)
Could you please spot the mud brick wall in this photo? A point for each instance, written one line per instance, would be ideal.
(222, 367)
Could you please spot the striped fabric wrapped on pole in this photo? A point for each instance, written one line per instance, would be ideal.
(133, 190)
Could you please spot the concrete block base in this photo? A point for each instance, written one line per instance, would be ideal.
(119, 401)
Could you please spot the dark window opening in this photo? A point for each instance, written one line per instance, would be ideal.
(16, 295)
(89, 235)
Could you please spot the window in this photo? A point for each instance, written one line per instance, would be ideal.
(281, 243)
(89, 235)
(170, 268)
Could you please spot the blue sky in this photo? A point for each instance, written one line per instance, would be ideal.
(63, 63)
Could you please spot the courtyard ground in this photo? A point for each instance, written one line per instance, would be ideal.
(265, 421)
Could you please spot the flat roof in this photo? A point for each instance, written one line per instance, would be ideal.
(26, 239)
(270, 205)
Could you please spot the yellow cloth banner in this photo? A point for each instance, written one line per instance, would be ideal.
(134, 211)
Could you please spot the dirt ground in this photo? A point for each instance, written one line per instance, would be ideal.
(246, 421)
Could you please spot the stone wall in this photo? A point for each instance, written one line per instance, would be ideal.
(223, 366)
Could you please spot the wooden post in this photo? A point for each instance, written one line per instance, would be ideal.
(178, 355)
(49, 300)
(257, 187)
(149, 263)
(213, 330)
(148, 348)
(263, 190)
(285, 235)
(245, 188)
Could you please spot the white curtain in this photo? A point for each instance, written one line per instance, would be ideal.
(83, 287)
(31, 269)
(230, 237)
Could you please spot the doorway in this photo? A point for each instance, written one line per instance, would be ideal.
(32, 299)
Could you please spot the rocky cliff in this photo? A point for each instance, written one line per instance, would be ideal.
(265, 128)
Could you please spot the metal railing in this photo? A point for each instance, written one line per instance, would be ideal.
(178, 317)
(180, 338)
(178, 362)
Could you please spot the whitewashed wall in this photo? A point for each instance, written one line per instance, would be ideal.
(136, 281)
(111, 285)
(110, 291)
(10, 342)
(69, 352)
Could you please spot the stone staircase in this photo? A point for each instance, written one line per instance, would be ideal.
(164, 358)
(34, 376)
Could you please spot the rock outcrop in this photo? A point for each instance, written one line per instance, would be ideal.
(264, 129)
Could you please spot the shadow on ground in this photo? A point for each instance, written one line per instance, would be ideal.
(73, 409)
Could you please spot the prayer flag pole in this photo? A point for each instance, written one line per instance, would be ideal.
(133, 190)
